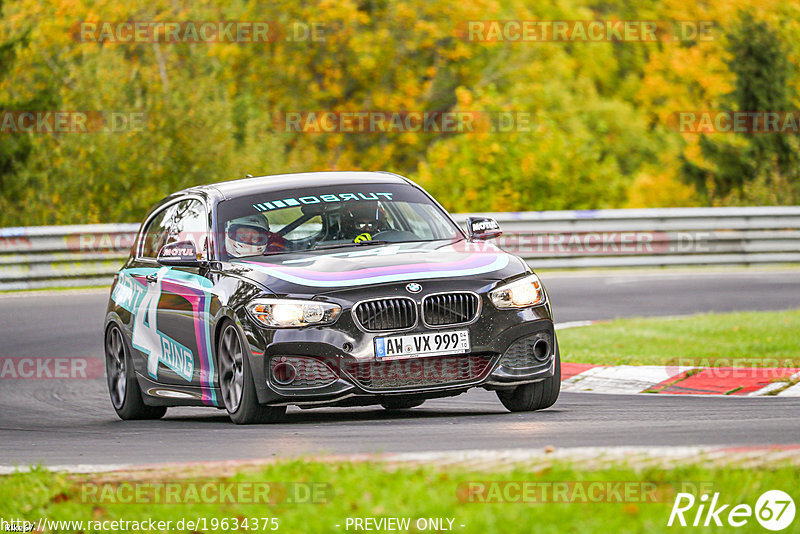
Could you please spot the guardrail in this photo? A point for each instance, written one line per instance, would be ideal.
(49, 256)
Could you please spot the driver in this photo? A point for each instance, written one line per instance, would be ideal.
(362, 220)
(250, 236)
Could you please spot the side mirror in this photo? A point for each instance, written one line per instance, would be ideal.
(483, 228)
(179, 254)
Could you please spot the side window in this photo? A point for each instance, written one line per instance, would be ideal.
(184, 221)
(188, 222)
(155, 235)
(417, 218)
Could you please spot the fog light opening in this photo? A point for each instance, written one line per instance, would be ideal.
(283, 373)
(541, 350)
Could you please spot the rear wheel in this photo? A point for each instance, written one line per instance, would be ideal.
(126, 396)
(236, 382)
(536, 396)
(401, 404)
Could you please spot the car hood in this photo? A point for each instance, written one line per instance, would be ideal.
(325, 271)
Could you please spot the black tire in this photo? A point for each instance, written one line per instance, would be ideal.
(237, 387)
(536, 396)
(401, 404)
(123, 388)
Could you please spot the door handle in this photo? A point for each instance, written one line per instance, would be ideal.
(151, 278)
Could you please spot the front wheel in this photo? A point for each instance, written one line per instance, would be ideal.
(536, 396)
(126, 396)
(236, 382)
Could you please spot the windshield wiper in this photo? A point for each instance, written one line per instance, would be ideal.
(326, 247)
(343, 245)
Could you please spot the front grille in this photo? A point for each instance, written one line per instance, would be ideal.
(386, 314)
(450, 308)
(522, 355)
(419, 372)
(310, 372)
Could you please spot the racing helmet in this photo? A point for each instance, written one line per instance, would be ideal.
(365, 218)
(247, 236)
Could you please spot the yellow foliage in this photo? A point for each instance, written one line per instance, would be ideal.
(599, 110)
(660, 190)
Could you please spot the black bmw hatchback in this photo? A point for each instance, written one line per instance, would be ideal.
(322, 289)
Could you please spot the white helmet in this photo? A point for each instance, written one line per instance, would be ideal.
(253, 242)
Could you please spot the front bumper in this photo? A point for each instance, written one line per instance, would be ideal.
(349, 373)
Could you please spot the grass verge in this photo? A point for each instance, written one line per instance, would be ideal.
(742, 339)
(361, 490)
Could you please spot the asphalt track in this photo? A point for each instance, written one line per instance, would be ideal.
(62, 422)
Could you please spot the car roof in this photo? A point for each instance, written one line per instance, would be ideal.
(278, 182)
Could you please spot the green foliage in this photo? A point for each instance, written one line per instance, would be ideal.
(759, 168)
(15, 150)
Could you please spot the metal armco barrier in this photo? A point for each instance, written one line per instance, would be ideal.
(651, 237)
(63, 256)
(50, 256)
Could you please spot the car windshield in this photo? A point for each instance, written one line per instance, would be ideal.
(329, 217)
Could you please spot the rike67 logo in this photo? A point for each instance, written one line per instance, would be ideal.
(774, 510)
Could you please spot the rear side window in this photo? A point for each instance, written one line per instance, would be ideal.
(183, 221)
(155, 235)
(189, 223)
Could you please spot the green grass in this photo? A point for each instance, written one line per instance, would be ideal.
(369, 490)
(762, 339)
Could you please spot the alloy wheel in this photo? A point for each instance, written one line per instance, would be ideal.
(231, 361)
(115, 367)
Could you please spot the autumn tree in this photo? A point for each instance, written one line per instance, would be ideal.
(761, 167)
(596, 135)
(15, 150)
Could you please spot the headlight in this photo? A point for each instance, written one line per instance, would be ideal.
(519, 294)
(286, 313)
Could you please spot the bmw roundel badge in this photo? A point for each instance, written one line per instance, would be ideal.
(413, 287)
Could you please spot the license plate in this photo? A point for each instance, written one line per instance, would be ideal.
(427, 344)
